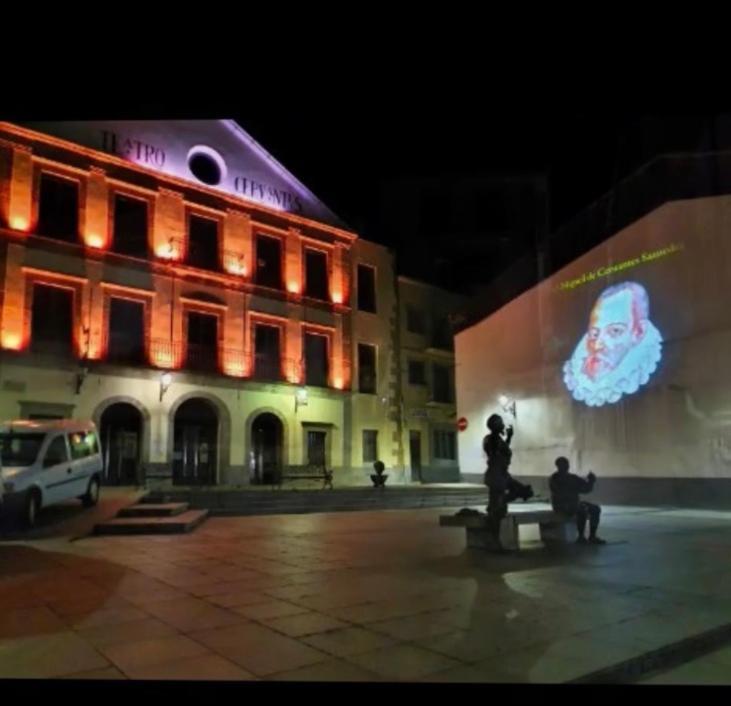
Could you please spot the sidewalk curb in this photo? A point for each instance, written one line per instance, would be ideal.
(666, 657)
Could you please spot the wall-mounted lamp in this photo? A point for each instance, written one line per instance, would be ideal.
(239, 266)
(300, 398)
(234, 263)
(19, 223)
(509, 405)
(11, 341)
(80, 377)
(165, 381)
(94, 241)
(167, 251)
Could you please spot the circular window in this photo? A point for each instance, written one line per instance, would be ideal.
(206, 165)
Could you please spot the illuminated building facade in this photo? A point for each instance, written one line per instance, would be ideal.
(174, 283)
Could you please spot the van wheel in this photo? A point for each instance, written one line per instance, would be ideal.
(92, 494)
(31, 508)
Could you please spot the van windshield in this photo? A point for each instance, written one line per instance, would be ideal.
(20, 449)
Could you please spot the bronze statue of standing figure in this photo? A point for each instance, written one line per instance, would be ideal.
(503, 487)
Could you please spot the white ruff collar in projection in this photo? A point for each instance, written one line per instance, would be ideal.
(635, 370)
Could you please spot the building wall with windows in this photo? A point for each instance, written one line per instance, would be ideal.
(429, 412)
(374, 390)
(122, 263)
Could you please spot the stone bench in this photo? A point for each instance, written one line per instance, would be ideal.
(554, 528)
(307, 472)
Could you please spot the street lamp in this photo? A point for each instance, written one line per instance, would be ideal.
(509, 405)
(300, 398)
(165, 381)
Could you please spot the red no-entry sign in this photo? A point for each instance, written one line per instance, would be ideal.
(462, 423)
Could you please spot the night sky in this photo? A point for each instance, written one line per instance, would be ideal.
(345, 159)
(345, 151)
(348, 161)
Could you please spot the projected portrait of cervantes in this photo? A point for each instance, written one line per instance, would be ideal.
(620, 350)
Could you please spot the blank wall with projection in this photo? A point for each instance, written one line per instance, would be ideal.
(619, 361)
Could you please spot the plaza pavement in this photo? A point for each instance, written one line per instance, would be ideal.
(359, 596)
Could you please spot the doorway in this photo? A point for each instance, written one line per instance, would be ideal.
(195, 443)
(121, 438)
(267, 445)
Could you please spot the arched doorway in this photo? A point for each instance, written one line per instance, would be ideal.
(195, 450)
(121, 436)
(267, 446)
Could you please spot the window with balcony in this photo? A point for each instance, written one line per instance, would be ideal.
(316, 284)
(52, 320)
(129, 226)
(417, 372)
(203, 242)
(268, 262)
(366, 368)
(316, 360)
(126, 343)
(442, 391)
(202, 342)
(267, 360)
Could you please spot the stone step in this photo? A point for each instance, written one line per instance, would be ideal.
(366, 502)
(291, 508)
(158, 499)
(262, 502)
(266, 496)
(178, 524)
(153, 510)
(269, 491)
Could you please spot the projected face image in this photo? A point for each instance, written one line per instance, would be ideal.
(620, 350)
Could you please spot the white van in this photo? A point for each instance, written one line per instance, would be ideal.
(46, 462)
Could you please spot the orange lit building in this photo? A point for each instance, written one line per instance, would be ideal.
(173, 282)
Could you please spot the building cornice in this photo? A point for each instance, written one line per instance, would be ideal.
(292, 220)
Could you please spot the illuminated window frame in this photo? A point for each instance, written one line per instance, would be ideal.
(129, 191)
(218, 217)
(326, 332)
(327, 252)
(375, 365)
(374, 269)
(140, 296)
(34, 277)
(280, 236)
(62, 173)
(190, 305)
(257, 318)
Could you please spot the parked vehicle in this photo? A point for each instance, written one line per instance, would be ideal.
(46, 462)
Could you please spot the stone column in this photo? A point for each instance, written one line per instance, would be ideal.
(92, 312)
(169, 230)
(162, 333)
(293, 364)
(14, 324)
(293, 274)
(95, 231)
(234, 362)
(238, 251)
(20, 205)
